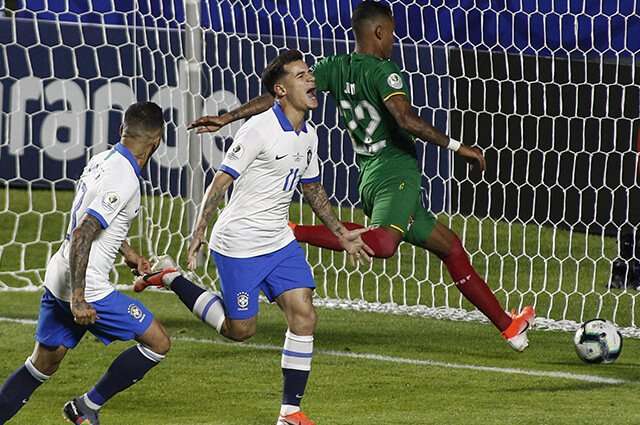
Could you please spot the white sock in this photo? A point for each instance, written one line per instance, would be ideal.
(287, 409)
(296, 357)
(209, 309)
(168, 278)
(297, 351)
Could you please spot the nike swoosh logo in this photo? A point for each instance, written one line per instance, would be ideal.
(280, 157)
(525, 328)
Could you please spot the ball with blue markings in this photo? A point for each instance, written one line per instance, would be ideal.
(598, 341)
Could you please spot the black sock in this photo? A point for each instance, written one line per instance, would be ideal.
(17, 389)
(187, 291)
(127, 369)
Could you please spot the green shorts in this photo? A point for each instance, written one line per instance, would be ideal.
(391, 197)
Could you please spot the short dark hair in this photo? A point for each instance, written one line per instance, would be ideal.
(369, 10)
(275, 70)
(142, 118)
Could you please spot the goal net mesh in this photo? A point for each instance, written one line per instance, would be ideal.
(555, 111)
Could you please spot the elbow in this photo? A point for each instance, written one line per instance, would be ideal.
(403, 121)
(407, 122)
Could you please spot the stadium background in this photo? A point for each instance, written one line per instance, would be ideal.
(521, 79)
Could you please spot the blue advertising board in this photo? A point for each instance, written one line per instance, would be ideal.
(63, 87)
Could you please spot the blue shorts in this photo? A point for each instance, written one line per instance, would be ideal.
(242, 279)
(120, 317)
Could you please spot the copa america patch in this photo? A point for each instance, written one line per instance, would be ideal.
(243, 300)
(110, 201)
(236, 152)
(394, 81)
(136, 312)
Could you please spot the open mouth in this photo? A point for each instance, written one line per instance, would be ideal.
(311, 93)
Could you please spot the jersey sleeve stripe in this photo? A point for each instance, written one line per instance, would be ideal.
(315, 179)
(233, 173)
(399, 229)
(393, 94)
(99, 217)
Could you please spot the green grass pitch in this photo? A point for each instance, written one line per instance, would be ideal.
(236, 384)
(440, 380)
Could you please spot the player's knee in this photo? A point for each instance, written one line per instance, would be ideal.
(383, 241)
(240, 335)
(156, 339)
(47, 368)
(455, 249)
(240, 330)
(46, 359)
(386, 251)
(162, 345)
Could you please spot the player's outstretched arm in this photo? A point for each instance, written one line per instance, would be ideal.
(350, 240)
(409, 120)
(138, 264)
(81, 239)
(213, 123)
(214, 194)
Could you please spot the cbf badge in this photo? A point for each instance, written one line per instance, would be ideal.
(136, 313)
(243, 300)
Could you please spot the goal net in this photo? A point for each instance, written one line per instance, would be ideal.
(550, 94)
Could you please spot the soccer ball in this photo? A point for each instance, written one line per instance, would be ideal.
(598, 341)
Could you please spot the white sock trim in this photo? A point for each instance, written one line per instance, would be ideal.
(150, 354)
(90, 404)
(168, 278)
(35, 372)
(288, 409)
(298, 338)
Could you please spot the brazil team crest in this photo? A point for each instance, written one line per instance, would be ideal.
(136, 312)
(243, 300)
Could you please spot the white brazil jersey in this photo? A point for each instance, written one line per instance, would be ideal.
(267, 160)
(109, 190)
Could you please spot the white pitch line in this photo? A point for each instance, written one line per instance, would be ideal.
(398, 360)
(19, 321)
(419, 362)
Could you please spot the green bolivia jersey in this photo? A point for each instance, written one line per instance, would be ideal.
(360, 84)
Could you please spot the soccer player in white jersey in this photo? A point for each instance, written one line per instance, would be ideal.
(252, 245)
(78, 296)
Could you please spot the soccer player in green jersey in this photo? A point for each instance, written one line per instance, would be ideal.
(374, 105)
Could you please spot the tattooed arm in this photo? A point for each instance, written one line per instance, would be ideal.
(81, 240)
(213, 123)
(351, 241)
(214, 194)
(138, 264)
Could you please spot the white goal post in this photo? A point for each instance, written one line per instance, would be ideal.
(555, 111)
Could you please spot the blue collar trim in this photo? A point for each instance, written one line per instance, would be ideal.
(122, 149)
(284, 121)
